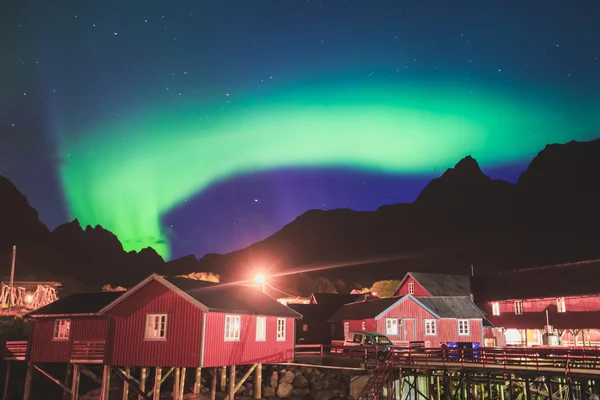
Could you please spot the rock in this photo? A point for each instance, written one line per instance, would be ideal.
(284, 390)
(274, 379)
(357, 385)
(300, 392)
(288, 378)
(268, 392)
(300, 382)
(329, 395)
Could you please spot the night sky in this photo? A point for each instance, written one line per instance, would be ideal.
(204, 126)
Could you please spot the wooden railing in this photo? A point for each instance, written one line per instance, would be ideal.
(88, 352)
(15, 350)
(562, 360)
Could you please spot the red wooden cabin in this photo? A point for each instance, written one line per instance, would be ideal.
(180, 322)
(71, 329)
(432, 320)
(524, 302)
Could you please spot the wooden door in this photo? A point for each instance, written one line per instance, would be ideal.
(409, 326)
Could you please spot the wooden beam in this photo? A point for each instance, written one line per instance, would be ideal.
(182, 384)
(176, 380)
(90, 374)
(68, 376)
(198, 381)
(53, 379)
(105, 389)
(143, 376)
(132, 384)
(258, 382)
(27, 389)
(232, 382)
(157, 383)
(75, 382)
(125, 374)
(241, 382)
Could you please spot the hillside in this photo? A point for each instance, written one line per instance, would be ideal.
(461, 218)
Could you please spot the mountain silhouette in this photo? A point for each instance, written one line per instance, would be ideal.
(460, 219)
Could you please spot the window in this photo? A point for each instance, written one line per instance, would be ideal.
(495, 308)
(364, 326)
(561, 305)
(61, 329)
(232, 328)
(391, 326)
(464, 327)
(411, 288)
(261, 329)
(304, 328)
(156, 326)
(430, 327)
(280, 329)
(518, 307)
(358, 338)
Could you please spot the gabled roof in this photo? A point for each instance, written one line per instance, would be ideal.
(365, 309)
(451, 306)
(214, 297)
(77, 304)
(441, 284)
(335, 299)
(562, 280)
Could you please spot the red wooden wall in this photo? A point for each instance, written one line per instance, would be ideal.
(247, 350)
(370, 325)
(575, 304)
(181, 348)
(43, 348)
(403, 289)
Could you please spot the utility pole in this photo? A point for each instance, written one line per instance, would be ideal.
(12, 278)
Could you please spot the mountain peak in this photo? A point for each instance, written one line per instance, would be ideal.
(467, 166)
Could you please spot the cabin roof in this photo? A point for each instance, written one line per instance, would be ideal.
(241, 299)
(441, 284)
(451, 306)
(77, 304)
(335, 299)
(364, 309)
(561, 280)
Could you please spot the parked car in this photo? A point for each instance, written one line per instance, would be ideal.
(381, 344)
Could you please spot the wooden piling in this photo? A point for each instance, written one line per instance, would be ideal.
(27, 389)
(198, 381)
(182, 383)
(223, 378)
(143, 377)
(104, 391)
(176, 380)
(157, 382)
(6, 380)
(258, 382)
(232, 382)
(126, 385)
(75, 382)
(213, 384)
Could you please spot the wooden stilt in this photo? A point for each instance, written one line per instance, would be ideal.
(126, 385)
(6, 380)
(232, 382)
(143, 377)
(176, 380)
(27, 389)
(68, 373)
(198, 381)
(75, 383)
(223, 378)
(157, 382)
(258, 382)
(182, 384)
(213, 384)
(104, 392)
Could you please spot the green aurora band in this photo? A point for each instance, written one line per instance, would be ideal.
(126, 176)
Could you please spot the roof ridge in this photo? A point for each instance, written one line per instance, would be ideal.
(541, 268)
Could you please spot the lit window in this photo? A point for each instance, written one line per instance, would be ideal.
(463, 327)
(518, 307)
(561, 305)
(156, 326)
(261, 329)
(411, 288)
(280, 329)
(363, 326)
(495, 308)
(430, 327)
(61, 329)
(232, 328)
(391, 326)
(305, 328)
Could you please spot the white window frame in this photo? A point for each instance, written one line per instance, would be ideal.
(561, 305)
(391, 326)
(281, 330)
(464, 327)
(495, 308)
(432, 327)
(363, 325)
(518, 307)
(261, 329)
(232, 328)
(153, 333)
(411, 288)
(62, 329)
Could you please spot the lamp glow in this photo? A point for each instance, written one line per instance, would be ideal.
(260, 278)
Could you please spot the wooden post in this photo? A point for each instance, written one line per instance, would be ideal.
(213, 384)
(126, 385)
(104, 392)
(157, 378)
(27, 389)
(75, 383)
(176, 379)
(182, 384)
(6, 379)
(66, 394)
(258, 382)
(198, 381)
(223, 378)
(143, 376)
(232, 382)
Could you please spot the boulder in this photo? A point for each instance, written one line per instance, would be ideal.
(300, 382)
(284, 390)
(329, 395)
(288, 378)
(274, 379)
(301, 392)
(268, 392)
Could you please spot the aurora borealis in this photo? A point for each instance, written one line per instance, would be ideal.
(141, 110)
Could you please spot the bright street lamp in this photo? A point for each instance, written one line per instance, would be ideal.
(260, 279)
